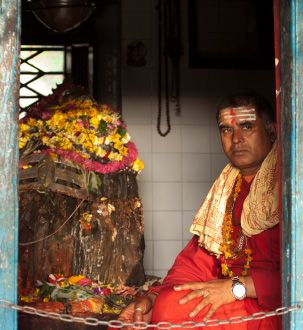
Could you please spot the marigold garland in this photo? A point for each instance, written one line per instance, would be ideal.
(84, 132)
(228, 246)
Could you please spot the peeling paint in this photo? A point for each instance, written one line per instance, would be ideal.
(9, 93)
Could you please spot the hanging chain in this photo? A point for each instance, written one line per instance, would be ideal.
(143, 325)
(162, 27)
(169, 54)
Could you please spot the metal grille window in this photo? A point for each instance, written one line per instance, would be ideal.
(42, 68)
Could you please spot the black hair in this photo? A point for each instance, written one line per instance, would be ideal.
(263, 108)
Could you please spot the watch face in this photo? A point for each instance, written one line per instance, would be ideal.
(239, 290)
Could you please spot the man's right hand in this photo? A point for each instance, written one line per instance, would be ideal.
(139, 310)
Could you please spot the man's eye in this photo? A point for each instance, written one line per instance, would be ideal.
(246, 126)
(226, 130)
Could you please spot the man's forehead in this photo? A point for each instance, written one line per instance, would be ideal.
(232, 115)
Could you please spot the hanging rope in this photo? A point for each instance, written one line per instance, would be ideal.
(169, 52)
(55, 232)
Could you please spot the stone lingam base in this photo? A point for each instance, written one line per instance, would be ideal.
(64, 231)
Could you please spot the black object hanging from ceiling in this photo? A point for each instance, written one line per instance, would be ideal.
(169, 55)
(61, 16)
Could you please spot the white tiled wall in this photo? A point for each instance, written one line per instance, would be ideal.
(180, 167)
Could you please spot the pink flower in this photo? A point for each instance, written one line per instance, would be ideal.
(91, 165)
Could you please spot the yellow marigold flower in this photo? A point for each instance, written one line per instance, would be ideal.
(116, 138)
(126, 138)
(118, 145)
(108, 119)
(123, 151)
(24, 127)
(224, 269)
(227, 254)
(75, 279)
(32, 122)
(94, 121)
(100, 152)
(138, 165)
(114, 156)
(26, 299)
(22, 143)
(25, 167)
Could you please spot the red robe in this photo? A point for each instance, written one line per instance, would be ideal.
(195, 264)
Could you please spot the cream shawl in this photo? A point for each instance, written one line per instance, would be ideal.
(260, 208)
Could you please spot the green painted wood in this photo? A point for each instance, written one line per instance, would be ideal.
(9, 94)
(292, 157)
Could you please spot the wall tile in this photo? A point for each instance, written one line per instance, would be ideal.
(136, 25)
(193, 82)
(136, 6)
(185, 242)
(167, 225)
(137, 110)
(160, 273)
(142, 136)
(136, 82)
(196, 111)
(169, 143)
(167, 196)
(215, 141)
(146, 194)
(148, 224)
(187, 219)
(193, 194)
(148, 261)
(195, 138)
(167, 167)
(165, 253)
(218, 162)
(147, 173)
(196, 167)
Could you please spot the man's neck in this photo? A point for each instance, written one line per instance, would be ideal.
(248, 178)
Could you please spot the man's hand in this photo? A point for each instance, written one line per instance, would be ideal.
(138, 311)
(215, 293)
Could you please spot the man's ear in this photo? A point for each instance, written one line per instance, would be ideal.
(271, 128)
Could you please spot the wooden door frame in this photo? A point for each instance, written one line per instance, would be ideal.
(291, 27)
(10, 29)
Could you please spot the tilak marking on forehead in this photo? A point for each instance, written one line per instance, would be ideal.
(240, 114)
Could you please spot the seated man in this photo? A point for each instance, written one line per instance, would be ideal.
(231, 267)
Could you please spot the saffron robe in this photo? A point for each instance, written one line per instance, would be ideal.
(195, 264)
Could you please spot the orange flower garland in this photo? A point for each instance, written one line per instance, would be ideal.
(229, 247)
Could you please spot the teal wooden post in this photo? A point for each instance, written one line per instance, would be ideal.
(9, 94)
(292, 157)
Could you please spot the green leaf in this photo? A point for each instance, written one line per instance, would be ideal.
(102, 127)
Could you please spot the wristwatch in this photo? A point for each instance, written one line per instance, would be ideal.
(238, 289)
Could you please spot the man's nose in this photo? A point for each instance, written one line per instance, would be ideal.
(237, 136)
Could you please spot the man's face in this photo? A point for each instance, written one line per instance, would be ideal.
(245, 140)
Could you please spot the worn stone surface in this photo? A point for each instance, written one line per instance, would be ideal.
(52, 239)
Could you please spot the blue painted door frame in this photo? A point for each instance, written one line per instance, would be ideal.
(9, 105)
(292, 157)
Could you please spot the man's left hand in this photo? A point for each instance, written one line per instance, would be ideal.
(215, 293)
